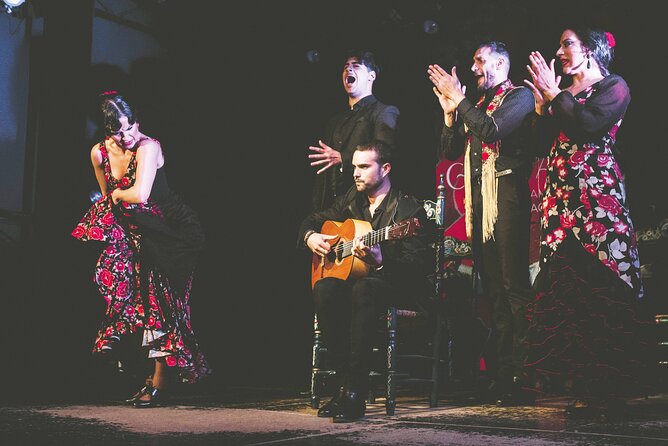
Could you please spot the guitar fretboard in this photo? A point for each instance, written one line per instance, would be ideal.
(374, 237)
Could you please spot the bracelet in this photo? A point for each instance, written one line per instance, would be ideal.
(308, 233)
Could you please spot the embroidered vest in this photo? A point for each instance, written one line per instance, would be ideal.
(489, 183)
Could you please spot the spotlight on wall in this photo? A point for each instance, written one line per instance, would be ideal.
(430, 26)
(10, 5)
(313, 56)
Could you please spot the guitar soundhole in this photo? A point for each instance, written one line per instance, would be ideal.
(331, 257)
(336, 254)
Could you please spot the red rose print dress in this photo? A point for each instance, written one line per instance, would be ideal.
(585, 195)
(145, 270)
(585, 334)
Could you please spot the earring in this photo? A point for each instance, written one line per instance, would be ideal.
(588, 62)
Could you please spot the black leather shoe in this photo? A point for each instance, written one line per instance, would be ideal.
(489, 394)
(141, 392)
(331, 408)
(605, 410)
(578, 409)
(519, 398)
(505, 400)
(611, 411)
(157, 398)
(516, 394)
(351, 408)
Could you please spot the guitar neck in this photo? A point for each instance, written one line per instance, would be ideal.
(375, 237)
(370, 239)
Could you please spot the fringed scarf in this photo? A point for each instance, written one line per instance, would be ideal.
(489, 183)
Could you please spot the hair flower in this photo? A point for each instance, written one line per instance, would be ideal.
(110, 92)
(611, 39)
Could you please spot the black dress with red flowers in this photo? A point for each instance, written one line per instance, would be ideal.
(587, 335)
(145, 270)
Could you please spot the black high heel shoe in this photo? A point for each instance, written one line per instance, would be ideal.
(611, 410)
(141, 392)
(578, 409)
(603, 410)
(157, 398)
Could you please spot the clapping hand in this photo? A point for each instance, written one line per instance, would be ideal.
(544, 83)
(447, 87)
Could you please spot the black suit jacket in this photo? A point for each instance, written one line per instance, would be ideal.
(369, 120)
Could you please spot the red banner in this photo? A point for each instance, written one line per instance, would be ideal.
(536, 185)
(453, 174)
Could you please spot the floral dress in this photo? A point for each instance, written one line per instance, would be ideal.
(585, 335)
(585, 198)
(145, 270)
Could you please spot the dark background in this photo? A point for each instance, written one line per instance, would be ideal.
(235, 102)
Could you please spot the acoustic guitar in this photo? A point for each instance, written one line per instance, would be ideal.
(339, 262)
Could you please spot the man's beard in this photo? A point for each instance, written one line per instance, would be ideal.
(368, 188)
(489, 82)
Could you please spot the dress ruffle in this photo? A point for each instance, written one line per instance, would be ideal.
(586, 335)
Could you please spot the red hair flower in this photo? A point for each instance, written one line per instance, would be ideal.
(611, 39)
(110, 92)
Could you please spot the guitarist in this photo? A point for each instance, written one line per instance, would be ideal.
(348, 309)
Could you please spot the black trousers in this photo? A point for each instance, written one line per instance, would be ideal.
(503, 264)
(348, 314)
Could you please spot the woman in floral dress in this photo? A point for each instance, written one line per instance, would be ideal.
(152, 241)
(586, 336)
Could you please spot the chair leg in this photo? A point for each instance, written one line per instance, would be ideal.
(371, 397)
(316, 362)
(390, 401)
(436, 363)
(315, 393)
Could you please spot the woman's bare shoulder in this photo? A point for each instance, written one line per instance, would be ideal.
(96, 153)
(149, 143)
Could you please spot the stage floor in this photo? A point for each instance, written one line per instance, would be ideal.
(254, 416)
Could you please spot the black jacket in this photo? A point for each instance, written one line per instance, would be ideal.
(368, 120)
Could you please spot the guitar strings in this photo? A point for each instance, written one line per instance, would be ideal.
(369, 238)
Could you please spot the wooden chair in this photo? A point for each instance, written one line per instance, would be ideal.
(397, 360)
